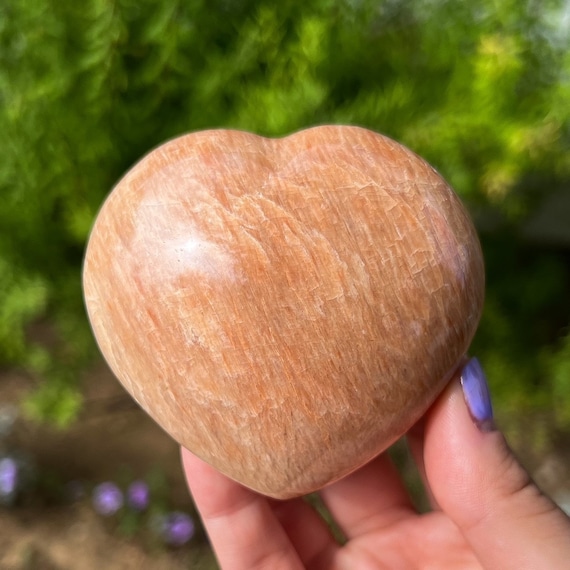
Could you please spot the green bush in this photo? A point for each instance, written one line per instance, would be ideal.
(479, 89)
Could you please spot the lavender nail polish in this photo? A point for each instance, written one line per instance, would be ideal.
(477, 395)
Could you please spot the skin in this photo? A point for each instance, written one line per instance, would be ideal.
(486, 511)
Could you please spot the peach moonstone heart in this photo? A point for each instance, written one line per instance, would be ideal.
(285, 309)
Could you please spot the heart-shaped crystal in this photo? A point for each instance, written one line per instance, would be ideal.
(284, 308)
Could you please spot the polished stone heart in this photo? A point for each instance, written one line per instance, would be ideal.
(285, 309)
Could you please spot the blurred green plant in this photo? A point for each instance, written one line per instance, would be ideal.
(479, 89)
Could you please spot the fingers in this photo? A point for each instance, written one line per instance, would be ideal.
(370, 499)
(415, 439)
(246, 531)
(241, 526)
(308, 533)
(480, 485)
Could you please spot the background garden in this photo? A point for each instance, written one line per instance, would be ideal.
(480, 89)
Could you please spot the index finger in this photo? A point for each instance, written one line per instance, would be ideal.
(242, 528)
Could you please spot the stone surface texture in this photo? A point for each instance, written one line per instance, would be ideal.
(284, 308)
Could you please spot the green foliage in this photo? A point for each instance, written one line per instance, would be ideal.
(527, 308)
(558, 361)
(479, 89)
(57, 400)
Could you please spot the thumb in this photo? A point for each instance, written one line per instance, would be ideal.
(480, 485)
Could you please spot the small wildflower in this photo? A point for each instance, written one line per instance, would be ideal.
(8, 479)
(177, 528)
(138, 495)
(107, 499)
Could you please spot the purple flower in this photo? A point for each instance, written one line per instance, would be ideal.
(177, 528)
(107, 499)
(8, 478)
(138, 495)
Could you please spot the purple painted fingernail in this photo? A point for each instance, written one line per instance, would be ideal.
(477, 395)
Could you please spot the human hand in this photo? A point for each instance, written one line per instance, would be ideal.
(486, 511)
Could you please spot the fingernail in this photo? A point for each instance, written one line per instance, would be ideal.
(477, 395)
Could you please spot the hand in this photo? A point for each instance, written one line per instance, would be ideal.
(486, 511)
